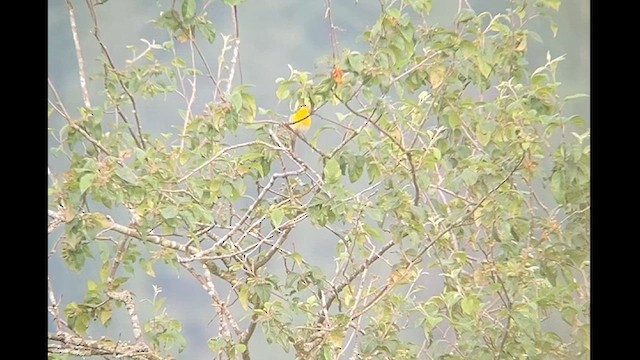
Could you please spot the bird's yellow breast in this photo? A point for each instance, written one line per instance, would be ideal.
(301, 120)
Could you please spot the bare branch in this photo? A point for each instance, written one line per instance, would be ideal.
(248, 213)
(96, 34)
(53, 308)
(126, 297)
(332, 32)
(71, 122)
(236, 48)
(76, 43)
(225, 150)
(194, 81)
(76, 345)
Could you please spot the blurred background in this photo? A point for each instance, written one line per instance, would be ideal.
(274, 34)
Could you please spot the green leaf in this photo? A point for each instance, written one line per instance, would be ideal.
(374, 232)
(575, 96)
(188, 9)
(326, 353)
(553, 4)
(356, 61)
(453, 119)
(215, 344)
(500, 27)
(356, 168)
(374, 171)
(485, 68)
(276, 217)
(336, 338)
(233, 2)
(86, 181)
(207, 29)
(465, 15)
(297, 257)
(554, 28)
(578, 121)
(332, 171)
(169, 20)
(127, 175)
(178, 62)
(243, 296)
(105, 315)
(169, 212)
(148, 267)
(239, 348)
(283, 90)
(470, 305)
(236, 100)
(436, 153)
(421, 6)
(91, 285)
(558, 187)
(469, 176)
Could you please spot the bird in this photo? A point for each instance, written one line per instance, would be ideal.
(300, 122)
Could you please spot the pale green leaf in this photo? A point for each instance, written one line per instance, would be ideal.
(91, 285)
(169, 212)
(578, 121)
(188, 9)
(127, 175)
(575, 96)
(465, 15)
(233, 2)
(236, 100)
(374, 232)
(276, 217)
(86, 181)
(469, 176)
(105, 315)
(208, 30)
(178, 62)
(332, 172)
(558, 186)
(243, 296)
(485, 69)
(215, 344)
(356, 61)
(470, 305)
(297, 257)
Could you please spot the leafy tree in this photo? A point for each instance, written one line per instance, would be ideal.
(445, 176)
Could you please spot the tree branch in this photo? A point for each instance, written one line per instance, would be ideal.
(76, 345)
(76, 43)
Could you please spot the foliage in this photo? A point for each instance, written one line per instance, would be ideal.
(457, 197)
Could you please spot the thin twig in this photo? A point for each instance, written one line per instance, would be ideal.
(192, 98)
(332, 32)
(370, 260)
(150, 238)
(407, 153)
(225, 150)
(249, 211)
(414, 67)
(209, 73)
(53, 308)
(468, 213)
(103, 47)
(79, 58)
(62, 111)
(117, 260)
(236, 47)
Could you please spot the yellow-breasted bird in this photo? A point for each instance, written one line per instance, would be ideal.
(300, 122)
